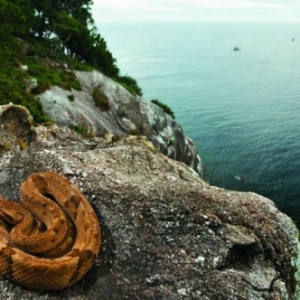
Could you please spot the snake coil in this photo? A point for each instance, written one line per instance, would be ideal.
(51, 238)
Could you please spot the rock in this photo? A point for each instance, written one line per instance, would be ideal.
(17, 130)
(167, 234)
(23, 67)
(122, 114)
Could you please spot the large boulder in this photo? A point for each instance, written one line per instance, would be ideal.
(104, 106)
(167, 234)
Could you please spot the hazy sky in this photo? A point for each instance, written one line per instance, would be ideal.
(196, 10)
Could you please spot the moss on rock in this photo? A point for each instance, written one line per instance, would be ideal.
(100, 100)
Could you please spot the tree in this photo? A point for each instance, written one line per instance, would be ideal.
(67, 26)
(14, 19)
(71, 22)
(50, 15)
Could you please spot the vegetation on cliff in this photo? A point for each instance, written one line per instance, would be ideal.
(51, 38)
(164, 107)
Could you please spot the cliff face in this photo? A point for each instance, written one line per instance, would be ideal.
(167, 234)
(104, 106)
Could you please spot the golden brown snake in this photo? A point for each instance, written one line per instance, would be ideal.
(52, 238)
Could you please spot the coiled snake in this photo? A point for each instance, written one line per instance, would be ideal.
(52, 238)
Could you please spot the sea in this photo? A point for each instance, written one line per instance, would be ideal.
(235, 90)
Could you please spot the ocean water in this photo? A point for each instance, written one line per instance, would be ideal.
(241, 108)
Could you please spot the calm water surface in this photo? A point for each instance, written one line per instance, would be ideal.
(241, 108)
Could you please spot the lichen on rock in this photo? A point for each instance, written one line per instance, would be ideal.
(167, 234)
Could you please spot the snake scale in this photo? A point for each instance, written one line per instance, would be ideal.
(51, 238)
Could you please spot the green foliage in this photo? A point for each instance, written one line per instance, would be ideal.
(12, 80)
(100, 56)
(130, 84)
(15, 18)
(66, 25)
(49, 74)
(71, 98)
(14, 91)
(165, 107)
(74, 64)
(134, 132)
(81, 130)
(10, 51)
(100, 100)
(53, 38)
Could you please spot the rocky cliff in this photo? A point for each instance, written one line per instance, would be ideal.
(104, 106)
(167, 234)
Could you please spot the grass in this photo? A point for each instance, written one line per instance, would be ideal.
(48, 73)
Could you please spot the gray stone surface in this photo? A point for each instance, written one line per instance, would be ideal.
(126, 114)
(167, 234)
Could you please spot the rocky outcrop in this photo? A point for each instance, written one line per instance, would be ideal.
(167, 234)
(104, 106)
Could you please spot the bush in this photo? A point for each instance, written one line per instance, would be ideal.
(12, 89)
(48, 75)
(81, 130)
(100, 100)
(165, 107)
(130, 84)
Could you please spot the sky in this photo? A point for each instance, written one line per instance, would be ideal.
(196, 10)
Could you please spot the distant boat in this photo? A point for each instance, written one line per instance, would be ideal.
(293, 40)
(238, 178)
(236, 49)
